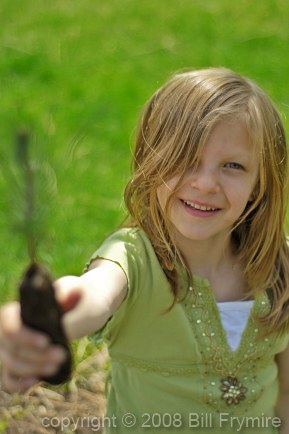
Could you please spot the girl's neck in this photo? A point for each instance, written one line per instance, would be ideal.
(216, 262)
(207, 258)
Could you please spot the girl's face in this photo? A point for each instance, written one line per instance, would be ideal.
(214, 194)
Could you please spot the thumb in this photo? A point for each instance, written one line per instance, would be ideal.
(69, 303)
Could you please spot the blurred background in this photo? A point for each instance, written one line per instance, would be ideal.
(76, 75)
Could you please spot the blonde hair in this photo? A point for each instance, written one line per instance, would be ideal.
(174, 128)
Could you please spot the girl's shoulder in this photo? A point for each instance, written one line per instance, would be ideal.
(128, 233)
(128, 246)
(133, 238)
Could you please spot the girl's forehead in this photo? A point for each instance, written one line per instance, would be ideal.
(231, 134)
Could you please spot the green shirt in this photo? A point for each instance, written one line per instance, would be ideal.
(173, 371)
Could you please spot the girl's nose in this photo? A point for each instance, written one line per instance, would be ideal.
(205, 179)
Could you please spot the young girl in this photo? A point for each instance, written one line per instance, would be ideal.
(194, 292)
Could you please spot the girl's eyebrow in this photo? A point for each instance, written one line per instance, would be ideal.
(240, 157)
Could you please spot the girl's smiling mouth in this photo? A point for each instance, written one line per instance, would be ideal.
(199, 209)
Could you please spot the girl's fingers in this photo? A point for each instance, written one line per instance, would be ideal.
(27, 362)
(21, 367)
(53, 354)
(13, 383)
(14, 334)
(26, 354)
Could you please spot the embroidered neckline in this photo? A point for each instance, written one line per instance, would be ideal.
(202, 311)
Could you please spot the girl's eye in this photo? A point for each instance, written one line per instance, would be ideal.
(233, 165)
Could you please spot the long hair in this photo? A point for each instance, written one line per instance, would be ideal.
(174, 128)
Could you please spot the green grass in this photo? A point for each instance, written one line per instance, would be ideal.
(77, 73)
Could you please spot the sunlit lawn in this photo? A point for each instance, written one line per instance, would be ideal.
(76, 75)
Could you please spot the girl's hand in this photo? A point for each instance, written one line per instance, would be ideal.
(87, 303)
(26, 354)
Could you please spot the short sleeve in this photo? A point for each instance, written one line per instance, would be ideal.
(128, 248)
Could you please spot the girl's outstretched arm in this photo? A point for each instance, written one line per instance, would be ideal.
(101, 291)
(88, 302)
(282, 407)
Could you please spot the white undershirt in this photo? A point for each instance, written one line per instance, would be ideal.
(234, 316)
